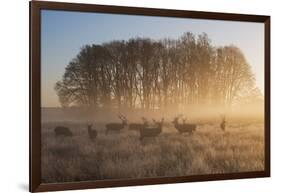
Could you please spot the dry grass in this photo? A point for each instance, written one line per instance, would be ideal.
(121, 155)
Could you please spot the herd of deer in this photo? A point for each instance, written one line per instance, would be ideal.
(145, 129)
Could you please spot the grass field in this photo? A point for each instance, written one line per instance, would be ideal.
(122, 155)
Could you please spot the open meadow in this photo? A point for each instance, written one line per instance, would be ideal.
(121, 155)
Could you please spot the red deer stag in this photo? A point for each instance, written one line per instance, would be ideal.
(116, 126)
(184, 127)
(92, 132)
(138, 126)
(151, 131)
(63, 131)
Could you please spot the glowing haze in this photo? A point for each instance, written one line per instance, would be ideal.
(63, 33)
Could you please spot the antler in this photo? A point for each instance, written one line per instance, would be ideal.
(90, 123)
(177, 117)
(124, 117)
(120, 117)
(144, 120)
(162, 120)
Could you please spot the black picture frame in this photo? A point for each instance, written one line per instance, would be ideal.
(35, 101)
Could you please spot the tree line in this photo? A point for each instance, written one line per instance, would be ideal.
(155, 74)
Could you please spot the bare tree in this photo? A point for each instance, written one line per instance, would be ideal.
(233, 75)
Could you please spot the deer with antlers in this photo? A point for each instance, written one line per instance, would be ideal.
(138, 126)
(152, 131)
(116, 126)
(184, 127)
(92, 132)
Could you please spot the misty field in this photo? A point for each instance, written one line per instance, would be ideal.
(121, 155)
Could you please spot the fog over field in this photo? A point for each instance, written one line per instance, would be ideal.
(243, 113)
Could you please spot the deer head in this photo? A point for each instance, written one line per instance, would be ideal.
(223, 117)
(184, 120)
(160, 123)
(123, 119)
(176, 119)
(145, 121)
(89, 125)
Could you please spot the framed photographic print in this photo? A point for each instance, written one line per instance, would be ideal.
(123, 96)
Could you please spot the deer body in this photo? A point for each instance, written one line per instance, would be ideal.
(63, 131)
(151, 131)
(138, 126)
(135, 126)
(116, 126)
(185, 127)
